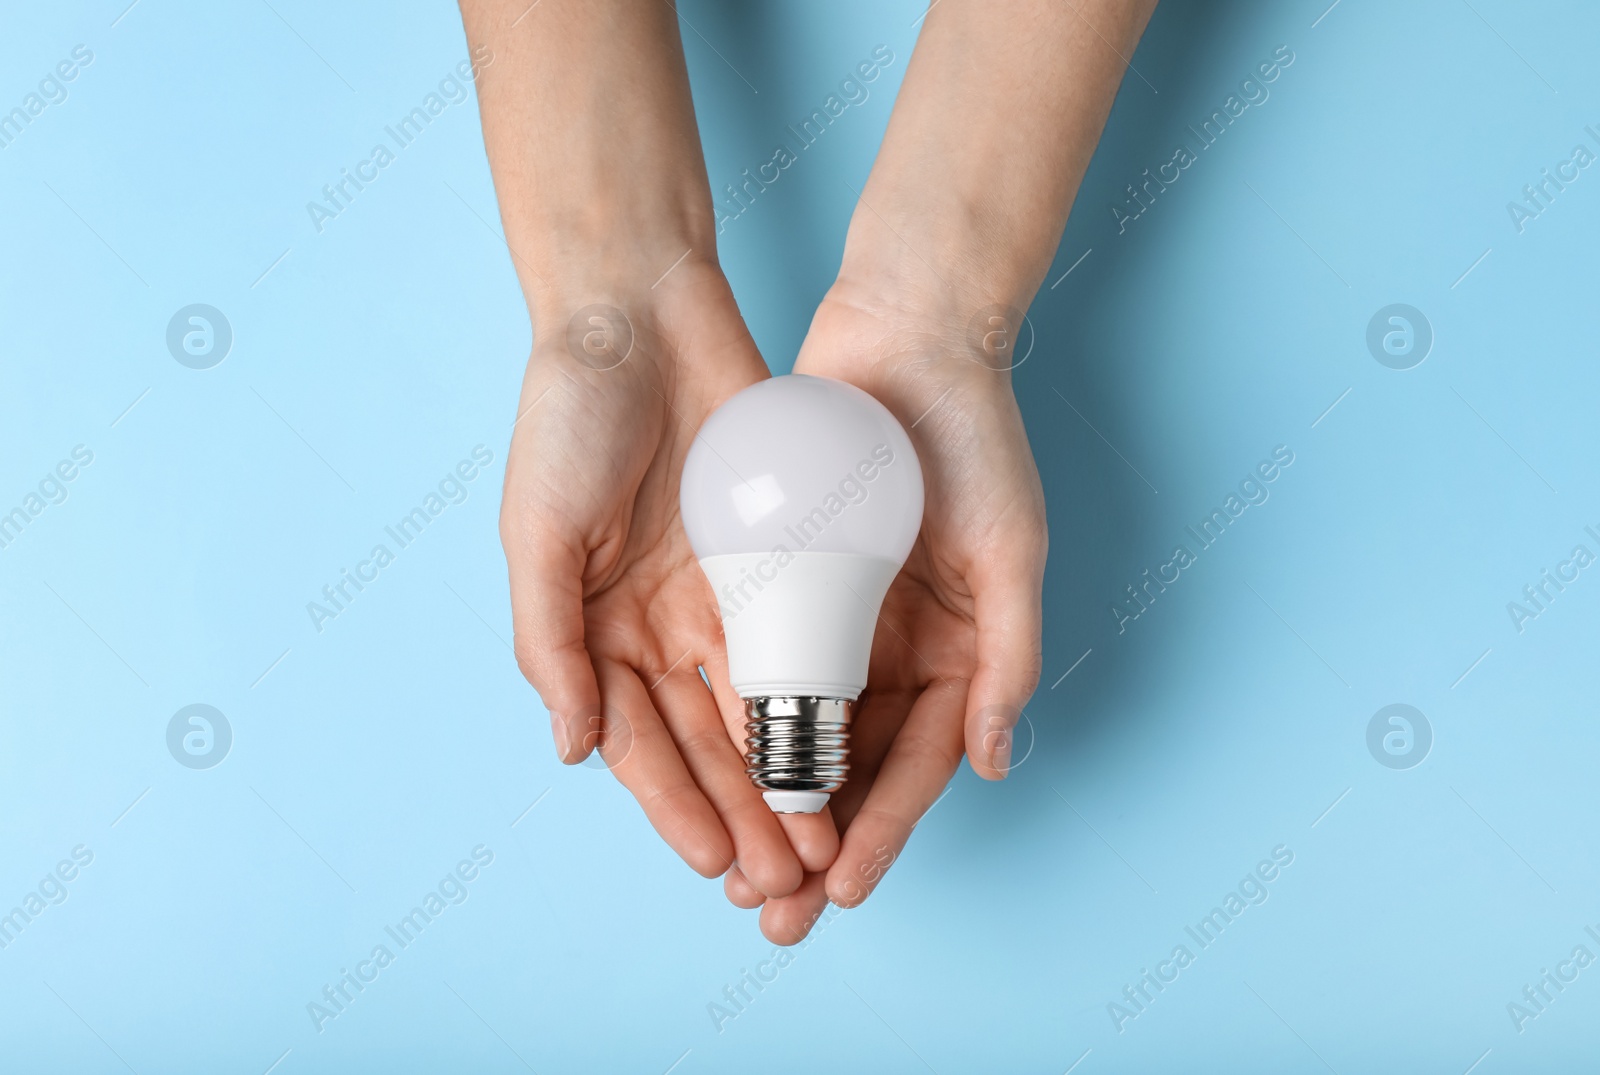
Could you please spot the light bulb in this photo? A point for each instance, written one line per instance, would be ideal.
(801, 497)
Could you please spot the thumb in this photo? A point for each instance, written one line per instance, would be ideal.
(546, 576)
(1008, 609)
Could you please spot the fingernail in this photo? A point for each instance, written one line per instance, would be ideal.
(558, 732)
(1000, 755)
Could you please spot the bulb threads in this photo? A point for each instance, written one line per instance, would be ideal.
(797, 742)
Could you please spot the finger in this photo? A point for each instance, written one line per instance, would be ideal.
(729, 704)
(787, 920)
(1008, 613)
(638, 750)
(546, 576)
(914, 774)
(814, 837)
(877, 720)
(759, 844)
(739, 890)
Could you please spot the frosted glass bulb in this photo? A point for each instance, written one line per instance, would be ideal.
(801, 497)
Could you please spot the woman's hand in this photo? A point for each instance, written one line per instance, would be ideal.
(613, 616)
(956, 227)
(957, 651)
(602, 188)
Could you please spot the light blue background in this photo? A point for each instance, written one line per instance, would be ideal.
(371, 757)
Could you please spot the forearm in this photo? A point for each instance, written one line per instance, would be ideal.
(998, 116)
(592, 142)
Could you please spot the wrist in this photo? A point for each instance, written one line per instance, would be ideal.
(562, 273)
(604, 259)
(935, 305)
(604, 312)
(913, 351)
(938, 247)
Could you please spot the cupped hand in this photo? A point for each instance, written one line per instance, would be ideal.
(613, 616)
(957, 650)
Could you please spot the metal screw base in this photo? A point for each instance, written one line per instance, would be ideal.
(797, 743)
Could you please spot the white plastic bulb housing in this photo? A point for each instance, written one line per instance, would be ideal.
(802, 497)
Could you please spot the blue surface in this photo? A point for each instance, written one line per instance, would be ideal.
(1229, 719)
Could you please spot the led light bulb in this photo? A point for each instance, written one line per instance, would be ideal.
(802, 497)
